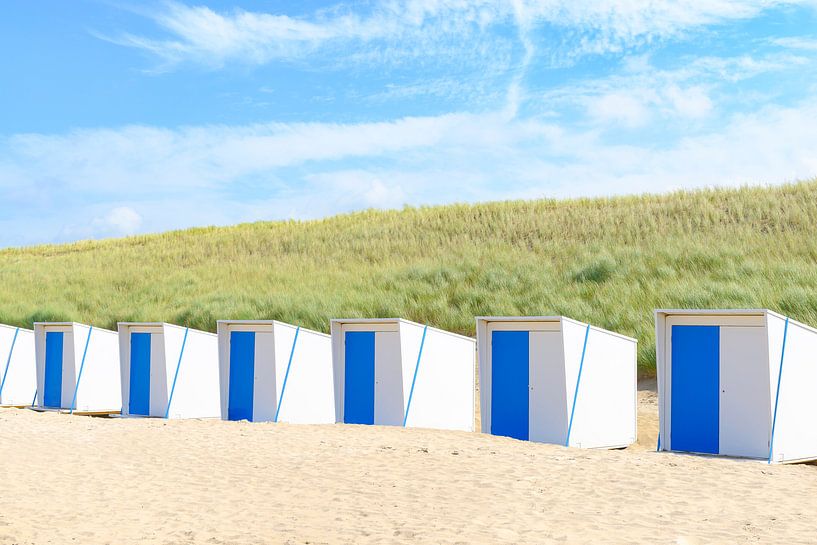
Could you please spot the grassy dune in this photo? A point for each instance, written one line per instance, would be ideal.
(607, 261)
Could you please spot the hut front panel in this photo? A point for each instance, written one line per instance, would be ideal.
(389, 402)
(714, 384)
(368, 372)
(548, 396)
(143, 370)
(56, 376)
(522, 382)
(265, 385)
(18, 369)
(159, 370)
(745, 418)
(242, 367)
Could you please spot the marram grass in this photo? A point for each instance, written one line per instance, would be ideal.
(607, 261)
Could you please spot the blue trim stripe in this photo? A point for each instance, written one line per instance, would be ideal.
(777, 395)
(34, 401)
(658, 446)
(414, 380)
(286, 376)
(176, 376)
(81, 368)
(578, 381)
(8, 362)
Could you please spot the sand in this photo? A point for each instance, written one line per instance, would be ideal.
(71, 479)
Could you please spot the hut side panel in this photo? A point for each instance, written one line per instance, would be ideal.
(18, 369)
(100, 386)
(795, 431)
(196, 393)
(443, 396)
(309, 397)
(605, 409)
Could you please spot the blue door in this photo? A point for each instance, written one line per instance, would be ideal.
(52, 390)
(139, 397)
(242, 375)
(510, 381)
(358, 391)
(695, 401)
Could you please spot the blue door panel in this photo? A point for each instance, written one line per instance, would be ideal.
(139, 396)
(358, 391)
(242, 375)
(52, 390)
(510, 380)
(695, 401)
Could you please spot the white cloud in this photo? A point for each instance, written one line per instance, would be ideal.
(805, 44)
(419, 28)
(620, 108)
(692, 102)
(115, 222)
(122, 220)
(697, 90)
(198, 176)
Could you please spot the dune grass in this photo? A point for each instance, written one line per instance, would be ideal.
(606, 261)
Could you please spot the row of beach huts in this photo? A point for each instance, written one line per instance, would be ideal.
(739, 383)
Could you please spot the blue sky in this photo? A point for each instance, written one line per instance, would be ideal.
(120, 117)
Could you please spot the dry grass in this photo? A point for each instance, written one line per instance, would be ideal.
(607, 261)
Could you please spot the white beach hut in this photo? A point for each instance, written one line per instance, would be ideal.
(168, 371)
(18, 374)
(272, 371)
(555, 380)
(737, 383)
(399, 373)
(77, 368)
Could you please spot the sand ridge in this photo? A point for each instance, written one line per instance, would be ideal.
(69, 479)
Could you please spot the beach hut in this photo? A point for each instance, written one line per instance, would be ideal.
(556, 380)
(737, 383)
(168, 371)
(18, 374)
(398, 373)
(272, 371)
(77, 368)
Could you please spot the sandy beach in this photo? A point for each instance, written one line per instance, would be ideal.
(71, 479)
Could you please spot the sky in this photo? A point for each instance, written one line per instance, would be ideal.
(120, 117)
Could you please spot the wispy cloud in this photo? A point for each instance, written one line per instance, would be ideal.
(640, 94)
(800, 43)
(149, 179)
(419, 28)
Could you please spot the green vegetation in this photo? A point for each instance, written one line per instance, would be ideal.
(607, 261)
